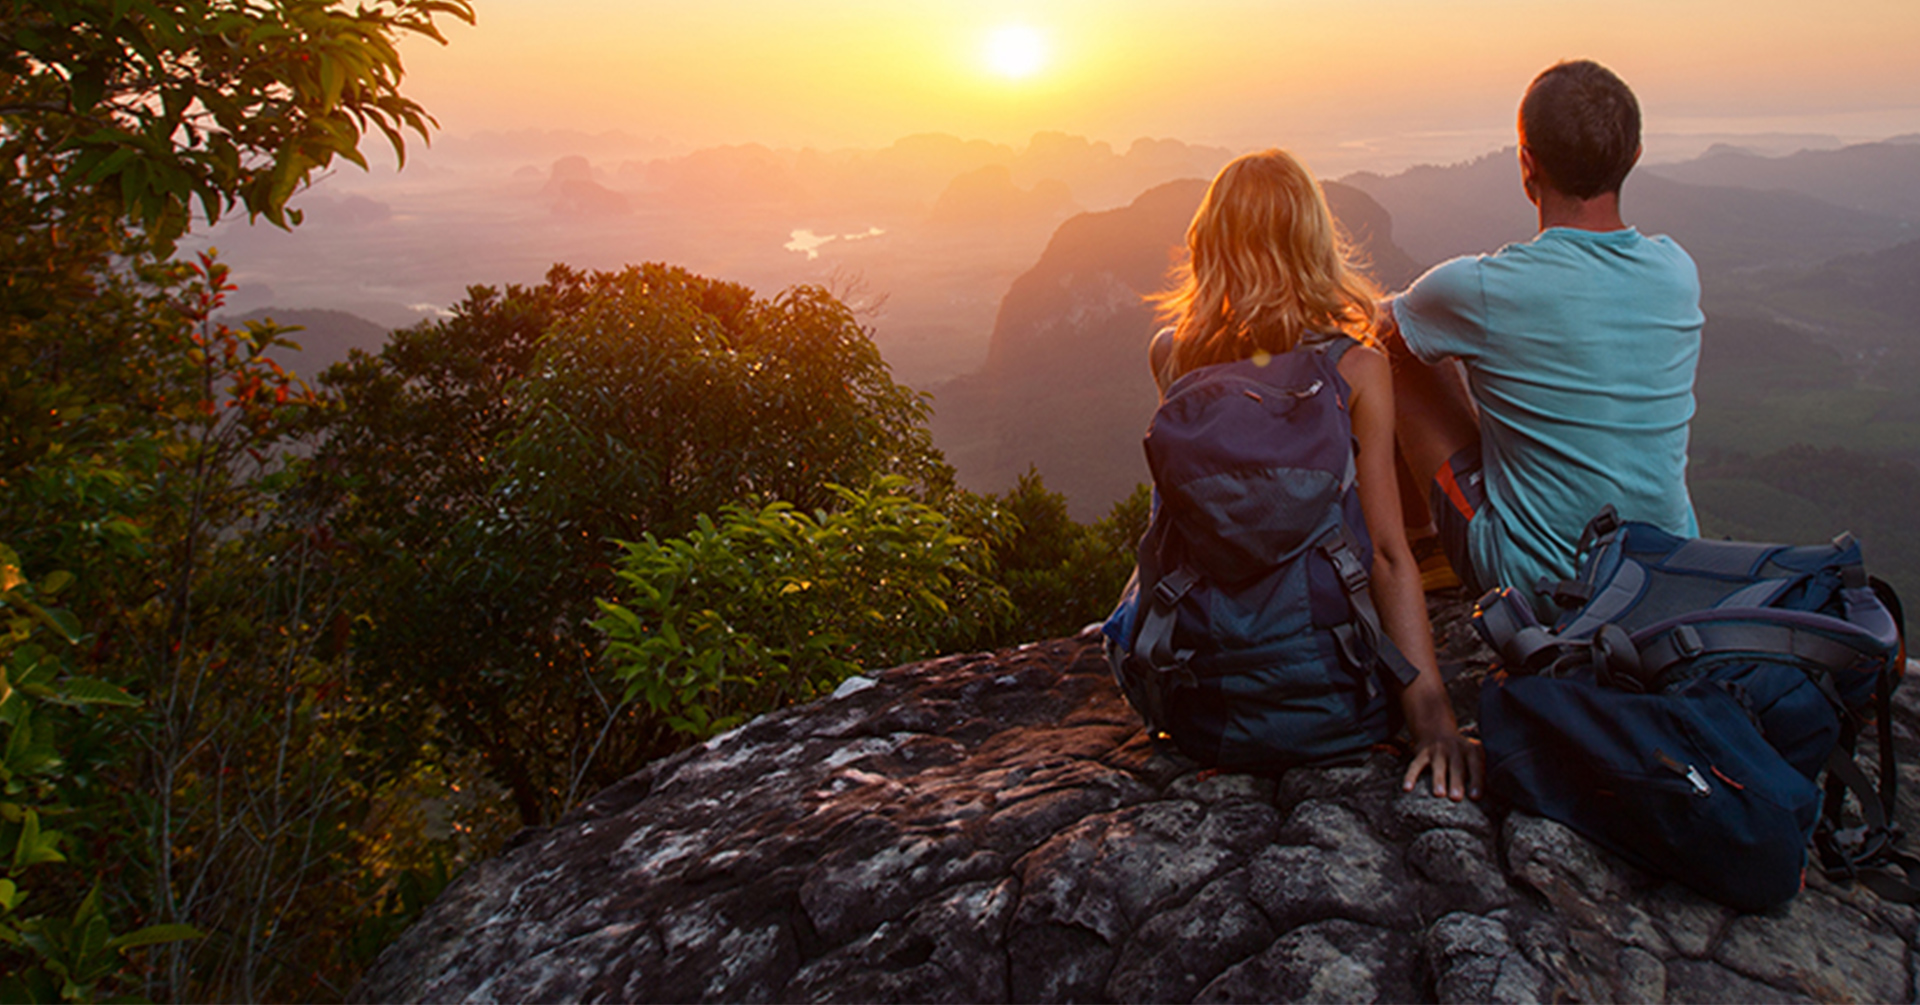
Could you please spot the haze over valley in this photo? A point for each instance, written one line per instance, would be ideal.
(1006, 281)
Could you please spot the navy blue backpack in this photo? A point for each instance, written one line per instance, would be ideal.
(1683, 708)
(1247, 633)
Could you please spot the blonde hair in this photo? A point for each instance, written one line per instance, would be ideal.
(1266, 265)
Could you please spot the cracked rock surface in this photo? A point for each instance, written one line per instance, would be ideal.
(997, 827)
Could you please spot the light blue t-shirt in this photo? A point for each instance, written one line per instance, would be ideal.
(1579, 348)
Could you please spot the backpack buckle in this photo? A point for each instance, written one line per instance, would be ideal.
(1686, 642)
(1598, 529)
(1346, 565)
(1168, 591)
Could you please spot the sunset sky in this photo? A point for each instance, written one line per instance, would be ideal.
(1359, 77)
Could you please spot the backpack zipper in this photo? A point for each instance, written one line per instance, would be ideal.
(1686, 771)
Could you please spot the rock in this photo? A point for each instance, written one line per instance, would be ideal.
(1819, 948)
(1474, 960)
(997, 827)
(1330, 961)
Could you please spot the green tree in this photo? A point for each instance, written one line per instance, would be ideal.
(219, 103)
(1060, 575)
(484, 463)
(770, 606)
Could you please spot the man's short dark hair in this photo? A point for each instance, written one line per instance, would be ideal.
(1582, 126)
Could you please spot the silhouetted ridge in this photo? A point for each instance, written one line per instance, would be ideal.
(1875, 178)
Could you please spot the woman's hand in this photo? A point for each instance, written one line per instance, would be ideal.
(1458, 763)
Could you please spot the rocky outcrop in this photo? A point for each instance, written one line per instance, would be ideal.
(997, 827)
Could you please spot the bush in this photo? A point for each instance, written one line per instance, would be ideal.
(1060, 575)
(769, 606)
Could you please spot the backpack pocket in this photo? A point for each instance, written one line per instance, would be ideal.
(1681, 784)
(1797, 720)
(1289, 703)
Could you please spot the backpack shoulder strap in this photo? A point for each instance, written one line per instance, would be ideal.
(1331, 346)
(1364, 634)
(1865, 853)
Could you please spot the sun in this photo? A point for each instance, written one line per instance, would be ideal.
(1015, 51)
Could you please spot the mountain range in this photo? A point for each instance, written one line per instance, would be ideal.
(1023, 316)
(1477, 206)
(1805, 415)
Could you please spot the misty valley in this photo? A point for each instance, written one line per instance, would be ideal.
(1006, 283)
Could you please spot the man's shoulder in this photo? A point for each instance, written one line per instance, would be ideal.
(1449, 277)
(1671, 250)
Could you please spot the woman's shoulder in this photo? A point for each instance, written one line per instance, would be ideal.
(1159, 350)
(1363, 364)
(1160, 345)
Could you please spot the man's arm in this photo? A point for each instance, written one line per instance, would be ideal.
(1386, 332)
(1434, 413)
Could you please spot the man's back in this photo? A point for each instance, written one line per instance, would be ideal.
(1580, 348)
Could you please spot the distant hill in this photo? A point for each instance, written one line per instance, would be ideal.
(988, 197)
(327, 338)
(1459, 209)
(1885, 281)
(1862, 309)
(1065, 387)
(1477, 206)
(1878, 178)
(572, 191)
(1732, 228)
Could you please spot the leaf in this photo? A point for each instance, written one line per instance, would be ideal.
(154, 935)
(61, 621)
(10, 576)
(333, 77)
(35, 847)
(88, 691)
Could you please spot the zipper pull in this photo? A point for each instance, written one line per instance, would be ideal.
(1686, 771)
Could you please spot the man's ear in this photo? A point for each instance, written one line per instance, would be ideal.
(1529, 175)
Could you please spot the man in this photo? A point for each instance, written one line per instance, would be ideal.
(1578, 349)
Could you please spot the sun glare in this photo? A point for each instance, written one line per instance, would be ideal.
(1016, 51)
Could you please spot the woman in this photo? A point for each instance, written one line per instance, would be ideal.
(1267, 271)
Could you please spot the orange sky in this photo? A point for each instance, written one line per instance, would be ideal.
(1354, 75)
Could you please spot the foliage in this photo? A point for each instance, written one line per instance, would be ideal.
(770, 606)
(223, 102)
(144, 454)
(668, 395)
(482, 463)
(66, 958)
(146, 451)
(243, 791)
(1059, 574)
